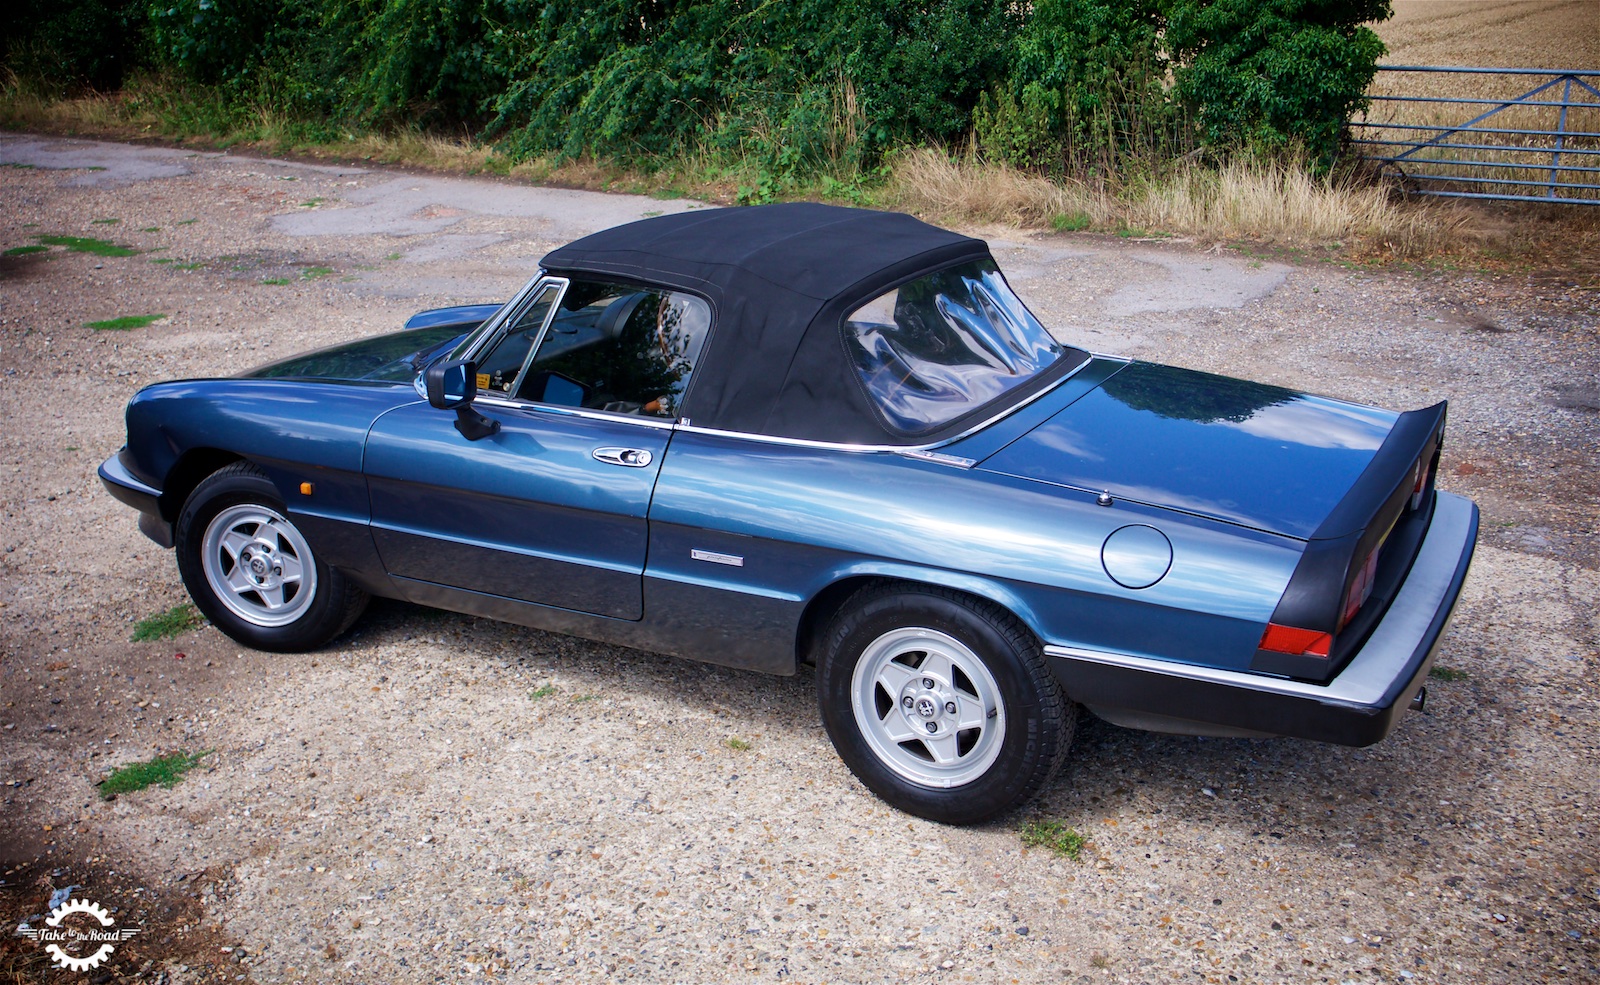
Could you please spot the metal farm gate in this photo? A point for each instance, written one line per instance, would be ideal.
(1540, 145)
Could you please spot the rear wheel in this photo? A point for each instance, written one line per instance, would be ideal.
(251, 570)
(940, 703)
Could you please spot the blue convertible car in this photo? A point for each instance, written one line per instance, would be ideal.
(794, 434)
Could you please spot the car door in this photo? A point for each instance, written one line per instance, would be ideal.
(551, 508)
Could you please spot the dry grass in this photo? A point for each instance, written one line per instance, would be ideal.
(22, 108)
(1261, 200)
(948, 187)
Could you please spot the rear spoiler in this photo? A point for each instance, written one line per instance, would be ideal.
(1379, 511)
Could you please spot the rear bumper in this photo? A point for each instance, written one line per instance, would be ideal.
(1356, 708)
(126, 488)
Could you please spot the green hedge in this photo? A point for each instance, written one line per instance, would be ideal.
(798, 86)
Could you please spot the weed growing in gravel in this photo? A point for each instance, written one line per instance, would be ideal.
(542, 692)
(83, 244)
(106, 222)
(124, 323)
(274, 281)
(188, 222)
(737, 744)
(1070, 222)
(165, 625)
(311, 203)
(151, 229)
(1060, 839)
(166, 770)
(22, 251)
(1447, 673)
(584, 697)
(312, 273)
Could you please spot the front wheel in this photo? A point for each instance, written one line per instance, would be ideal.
(940, 703)
(251, 570)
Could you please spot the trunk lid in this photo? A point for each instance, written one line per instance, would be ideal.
(1261, 456)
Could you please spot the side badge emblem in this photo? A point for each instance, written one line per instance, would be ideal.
(715, 558)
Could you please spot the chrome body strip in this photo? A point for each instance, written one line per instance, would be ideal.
(528, 405)
(911, 450)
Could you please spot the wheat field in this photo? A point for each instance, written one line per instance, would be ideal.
(1492, 34)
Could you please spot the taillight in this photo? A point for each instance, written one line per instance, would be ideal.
(1300, 642)
(1420, 483)
(1360, 589)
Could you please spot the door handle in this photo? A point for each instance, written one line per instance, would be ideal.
(634, 458)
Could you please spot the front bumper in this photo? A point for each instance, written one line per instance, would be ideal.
(1357, 708)
(125, 487)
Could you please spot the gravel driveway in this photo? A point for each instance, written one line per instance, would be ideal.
(440, 798)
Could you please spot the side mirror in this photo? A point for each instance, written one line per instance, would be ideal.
(452, 385)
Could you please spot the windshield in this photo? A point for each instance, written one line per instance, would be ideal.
(939, 346)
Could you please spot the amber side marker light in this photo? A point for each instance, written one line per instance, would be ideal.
(1288, 639)
(306, 488)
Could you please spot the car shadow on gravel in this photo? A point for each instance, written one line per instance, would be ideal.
(1413, 789)
(763, 700)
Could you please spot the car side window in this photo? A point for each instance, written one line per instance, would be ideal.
(618, 348)
(501, 364)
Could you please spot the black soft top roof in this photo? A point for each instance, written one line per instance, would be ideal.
(780, 279)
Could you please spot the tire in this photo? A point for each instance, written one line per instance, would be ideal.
(941, 703)
(251, 571)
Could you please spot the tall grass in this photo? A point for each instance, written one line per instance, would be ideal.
(1270, 199)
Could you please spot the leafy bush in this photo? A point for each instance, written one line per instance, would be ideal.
(429, 61)
(1274, 72)
(1086, 87)
(775, 92)
(91, 41)
(794, 85)
(1099, 83)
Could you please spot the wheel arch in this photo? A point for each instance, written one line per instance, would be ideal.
(827, 602)
(189, 471)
